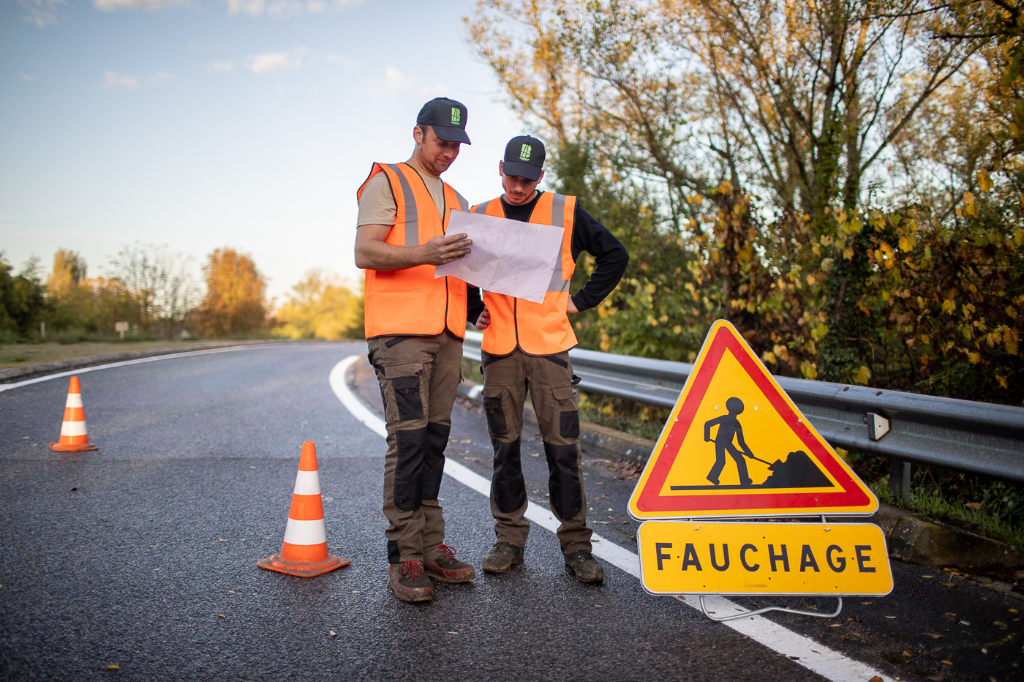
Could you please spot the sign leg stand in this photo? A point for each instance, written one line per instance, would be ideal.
(747, 614)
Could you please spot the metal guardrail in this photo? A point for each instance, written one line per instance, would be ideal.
(961, 435)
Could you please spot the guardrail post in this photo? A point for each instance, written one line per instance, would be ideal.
(899, 479)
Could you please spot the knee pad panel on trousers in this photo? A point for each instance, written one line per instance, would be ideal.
(507, 482)
(412, 449)
(433, 461)
(564, 484)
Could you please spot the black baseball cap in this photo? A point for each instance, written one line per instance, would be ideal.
(524, 157)
(447, 117)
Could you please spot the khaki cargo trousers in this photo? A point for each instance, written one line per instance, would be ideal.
(548, 378)
(418, 377)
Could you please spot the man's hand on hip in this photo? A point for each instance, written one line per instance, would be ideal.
(441, 250)
(484, 321)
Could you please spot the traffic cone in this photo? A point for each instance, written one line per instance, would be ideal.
(304, 550)
(73, 436)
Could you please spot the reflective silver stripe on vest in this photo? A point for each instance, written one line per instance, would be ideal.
(463, 204)
(558, 220)
(482, 208)
(412, 221)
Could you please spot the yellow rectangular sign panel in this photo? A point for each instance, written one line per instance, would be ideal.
(763, 558)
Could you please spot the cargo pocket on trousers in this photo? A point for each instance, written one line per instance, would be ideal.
(568, 419)
(496, 421)
(407, 397)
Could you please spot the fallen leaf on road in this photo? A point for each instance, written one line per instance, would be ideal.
(951, 617)
(836, 625)
(221, 615)
(944, 662)
(465, 441)
(876, 678)
(865, 603)
(231, 591)
(113, 667)
(935, 678)
(598, 606)
(356, 592)
(933, 635)
(964, 622)
(1013, 610)
(452, 633)
(890, 617)
(333, 633)
(221, 540)
(927, 576)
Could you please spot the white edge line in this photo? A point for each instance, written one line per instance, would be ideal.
(154, 358)
(804, 651)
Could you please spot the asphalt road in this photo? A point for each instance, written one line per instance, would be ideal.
(143, 554)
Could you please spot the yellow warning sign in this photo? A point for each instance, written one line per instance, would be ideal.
(735, 445)
(810, 559)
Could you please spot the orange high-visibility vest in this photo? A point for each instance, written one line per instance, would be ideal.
(410, 301)
(535, 328)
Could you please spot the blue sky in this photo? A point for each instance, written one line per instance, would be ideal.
(209, 123)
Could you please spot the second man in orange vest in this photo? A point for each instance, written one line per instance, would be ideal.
(526, 348)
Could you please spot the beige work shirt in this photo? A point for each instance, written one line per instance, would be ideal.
(377, 204)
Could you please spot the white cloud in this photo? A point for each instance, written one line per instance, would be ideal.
(42, 12)
(343, 62)
(395, 81)
(29, 77)
(269, 62)
(114, 5)
(220, 67)
(115, 81)
(284, 9)
(253, 8)
(162, 77)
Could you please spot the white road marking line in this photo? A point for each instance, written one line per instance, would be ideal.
(804, 651)
(96, 368)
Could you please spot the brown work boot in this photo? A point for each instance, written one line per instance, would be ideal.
(502, 557)
(441, 564)
(409, 583)
(584, 566)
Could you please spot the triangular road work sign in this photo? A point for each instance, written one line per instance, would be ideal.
(735, 445)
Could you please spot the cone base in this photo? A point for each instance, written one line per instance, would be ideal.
(57, 447)
(274, 563)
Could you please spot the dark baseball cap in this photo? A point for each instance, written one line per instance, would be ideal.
(524, 157)
(447, 117)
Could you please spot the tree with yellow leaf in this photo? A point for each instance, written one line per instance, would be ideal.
(235, 302)
(321, 307)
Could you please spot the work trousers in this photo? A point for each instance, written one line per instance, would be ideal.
(418, 376)
(548, 378)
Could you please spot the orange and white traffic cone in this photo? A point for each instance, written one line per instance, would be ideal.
(73, 436)
(304, 550)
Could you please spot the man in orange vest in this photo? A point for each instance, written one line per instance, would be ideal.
(526, 347)
(414, 329)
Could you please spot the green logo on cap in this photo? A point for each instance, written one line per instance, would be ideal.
(524, 154)
(456, 116)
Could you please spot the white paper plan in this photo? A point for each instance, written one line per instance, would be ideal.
(507, 256)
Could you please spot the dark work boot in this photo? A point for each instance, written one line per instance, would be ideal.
(441, 564)
(502, 557)
(584, 566)
(409, 583)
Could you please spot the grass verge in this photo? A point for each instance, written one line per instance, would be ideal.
(18, 354)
